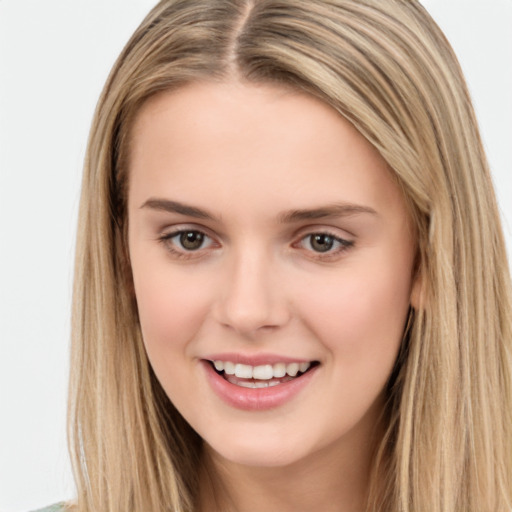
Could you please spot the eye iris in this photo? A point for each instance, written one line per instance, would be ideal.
(191, 240)
(322, 243)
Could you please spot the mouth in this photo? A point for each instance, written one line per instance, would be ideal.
(261, 376)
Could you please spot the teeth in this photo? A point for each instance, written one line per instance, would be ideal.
(292, 369)
(304, 366)
(243, 371)
(253, 384)
(229, 368)
(279, 370)
(264, 372)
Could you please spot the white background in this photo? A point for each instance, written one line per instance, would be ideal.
(54, 58)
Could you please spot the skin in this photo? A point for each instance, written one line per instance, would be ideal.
(248, 155)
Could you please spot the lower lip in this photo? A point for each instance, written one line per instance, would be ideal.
(256, 399)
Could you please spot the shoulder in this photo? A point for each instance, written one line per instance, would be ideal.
(57, 507)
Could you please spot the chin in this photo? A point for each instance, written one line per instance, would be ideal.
(260, 451)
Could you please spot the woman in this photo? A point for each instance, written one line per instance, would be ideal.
(291, 285)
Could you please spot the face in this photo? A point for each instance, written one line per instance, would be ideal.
(272, 258)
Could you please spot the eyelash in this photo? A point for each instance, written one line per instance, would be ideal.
(166, 240)
(343, 245)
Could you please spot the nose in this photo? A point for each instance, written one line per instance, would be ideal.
(252, 298)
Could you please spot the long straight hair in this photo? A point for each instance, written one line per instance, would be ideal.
(385, 66)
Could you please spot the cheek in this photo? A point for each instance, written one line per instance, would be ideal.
(359, 314)
(171, 307)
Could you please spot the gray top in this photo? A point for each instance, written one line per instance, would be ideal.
(57, 507)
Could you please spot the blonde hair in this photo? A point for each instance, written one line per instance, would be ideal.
(388, 69)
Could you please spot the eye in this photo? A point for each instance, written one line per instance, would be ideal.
(321, 242)
(186, 241)
(190, 240)
(324, 243)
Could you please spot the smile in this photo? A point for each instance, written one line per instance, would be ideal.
(265, 372)
(274, 380)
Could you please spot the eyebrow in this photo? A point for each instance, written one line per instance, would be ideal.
(176, 207)
(325, 212)
(289, 217)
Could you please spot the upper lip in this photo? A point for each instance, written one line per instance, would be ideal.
(255, 359)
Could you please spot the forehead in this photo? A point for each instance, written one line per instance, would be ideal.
(220, 142)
